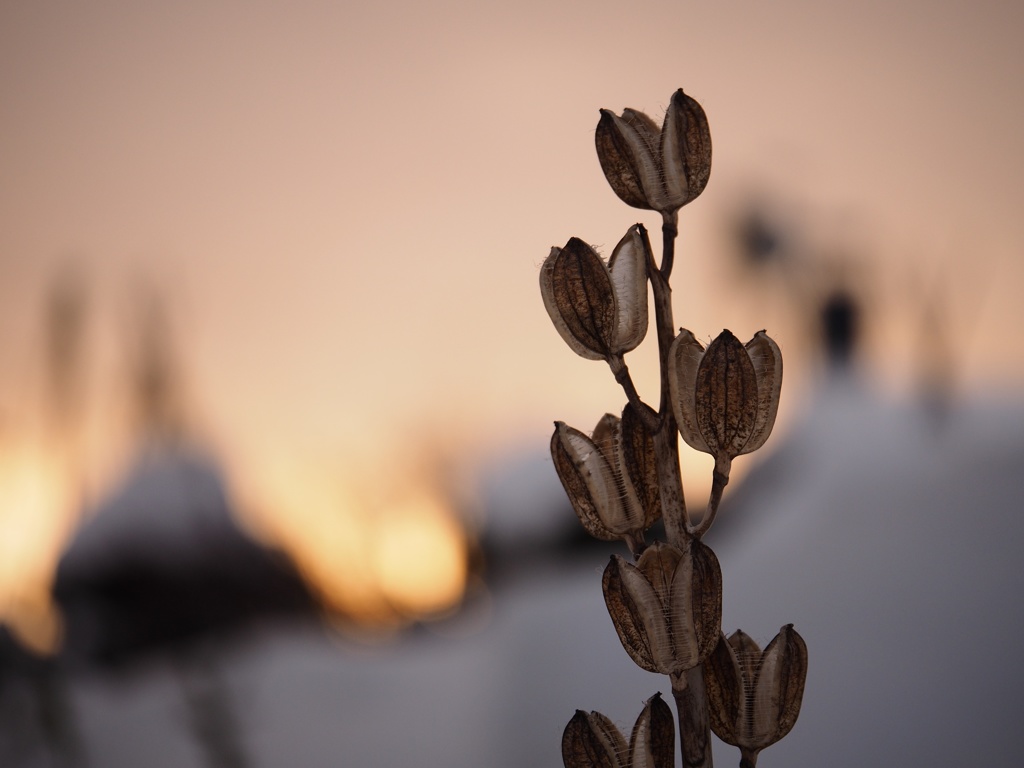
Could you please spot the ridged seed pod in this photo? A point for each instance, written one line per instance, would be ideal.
(667, 609)
(725, 398)
(599, 309)
(754, 697)
(656, 169)
(591, 740)
(610, 478)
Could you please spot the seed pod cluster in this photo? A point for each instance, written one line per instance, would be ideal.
(755, 696)
(610, 478)
(667, 609)
(666, 606)
(657, 169)
(591, 739)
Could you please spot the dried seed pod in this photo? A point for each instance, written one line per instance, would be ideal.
(667, 609)
(660, 170)
(610, 478)
(753, 697)
(725, 398)
(652, 743)
(641, 463)
(598, 309)
(593, 740)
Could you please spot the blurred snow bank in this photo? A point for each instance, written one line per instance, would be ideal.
(889, 537)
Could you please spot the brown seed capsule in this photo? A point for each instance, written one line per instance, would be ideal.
(640, 462)
(598, 309)
(667, 609)
(725, 398)
(753, 697)
(610, 478)
(660, 170)
(593, 740)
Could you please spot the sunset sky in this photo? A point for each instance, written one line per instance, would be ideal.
(343, 211)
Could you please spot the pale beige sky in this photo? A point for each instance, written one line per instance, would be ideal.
(346, 208)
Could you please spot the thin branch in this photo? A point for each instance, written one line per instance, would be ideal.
(618, 365)
(719, 480)
(669, 232)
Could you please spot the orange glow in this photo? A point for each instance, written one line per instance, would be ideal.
(33, 524)
(376, 562)
(420, 557)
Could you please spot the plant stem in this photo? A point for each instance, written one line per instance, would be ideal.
(670, 483)
(666, 439)
(663, 310)
(719, 479)
(621, 373)
(687, 688)
(669, 231)
(694, 725)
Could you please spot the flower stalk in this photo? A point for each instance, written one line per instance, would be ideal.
(666, 607)
(690, 696)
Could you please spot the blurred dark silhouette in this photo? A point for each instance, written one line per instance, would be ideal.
(826, 290)
(840, 328)
(155, 376)
(161, 569)
(761, 239)
(67, 309)
(162, 563)
(34, 708)
(839, 299)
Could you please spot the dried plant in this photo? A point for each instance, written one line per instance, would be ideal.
(667, 605)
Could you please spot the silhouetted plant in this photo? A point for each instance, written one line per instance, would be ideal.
(667, 606)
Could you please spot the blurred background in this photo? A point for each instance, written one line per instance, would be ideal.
(276, 383)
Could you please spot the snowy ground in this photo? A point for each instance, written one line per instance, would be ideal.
(891, 540)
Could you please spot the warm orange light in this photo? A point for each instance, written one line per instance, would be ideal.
(33, 524)
(420, 557)
(378, 563)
